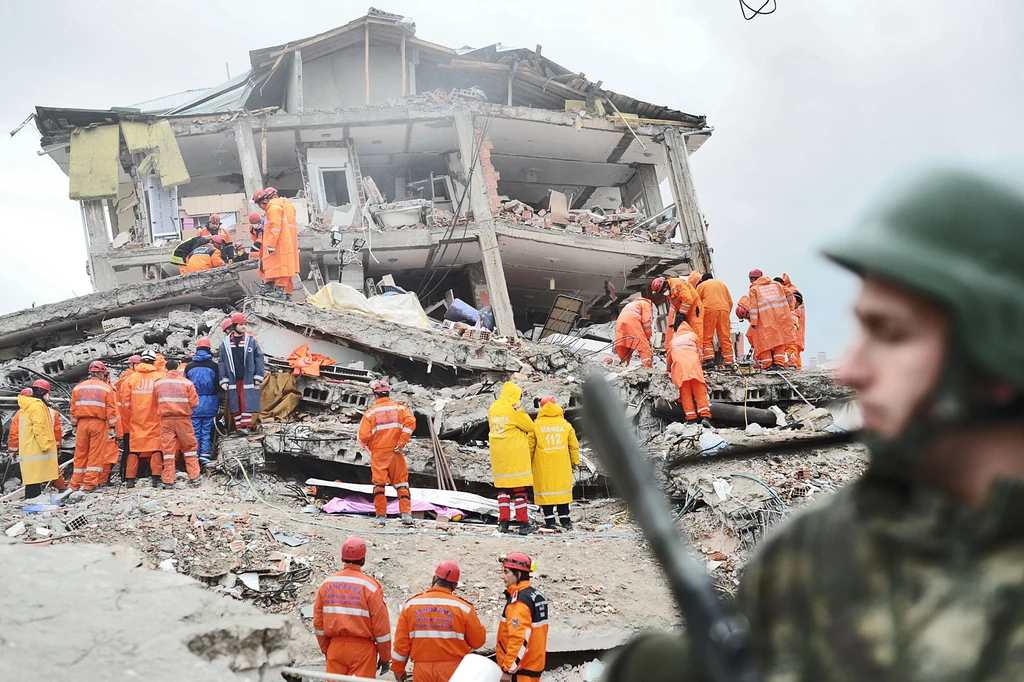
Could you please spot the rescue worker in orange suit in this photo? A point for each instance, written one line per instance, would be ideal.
(350, 618)
(436, 629)
(556, 454)
(522, 642)
(205, 257)
(213, 228)
(694, 278)
(256, 250)
(793, 359)
(384, 431)
(94, 416)
(176, 397)
(633, 332)
(122, 405)
(512, 440)
(684, 304)
(684, 366)
(717, 303)
(280, 243)
(756, 351)
(143, 419)
(41, 389)
(771, 316)
(791, 296)
(113, 446)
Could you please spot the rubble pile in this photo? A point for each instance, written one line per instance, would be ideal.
(624, 222)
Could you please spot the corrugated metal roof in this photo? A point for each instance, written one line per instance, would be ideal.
(228, 96)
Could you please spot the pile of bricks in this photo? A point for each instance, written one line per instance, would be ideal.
(618, 224)
(491, 176)
(465, 331)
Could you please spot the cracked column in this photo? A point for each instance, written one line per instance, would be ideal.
(100, 270)
(251, 175)
(480, 204)
(691, 223)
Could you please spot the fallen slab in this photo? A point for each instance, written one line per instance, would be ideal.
(117, 621)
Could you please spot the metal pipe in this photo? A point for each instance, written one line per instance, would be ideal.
(794, 388)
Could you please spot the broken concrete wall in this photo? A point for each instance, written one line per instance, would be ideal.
(86, 612)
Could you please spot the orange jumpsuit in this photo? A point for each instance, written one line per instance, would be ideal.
(13, 440)
(793, 359)
(143, 420)
(113, 453)
(522, 643)
(717, 310)
(791, 350)
(94, 415)
(203, 258)
(684, 300)
(436, 629)
(351, 623)
(772, 317)
(280, 244)
(633, 332)
(684, 365)
(176, 397)
(384, 431)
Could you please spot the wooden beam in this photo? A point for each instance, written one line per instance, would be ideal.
(475, 65)
(405, 69)
(366, 61)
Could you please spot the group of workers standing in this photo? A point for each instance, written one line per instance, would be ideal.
(157, 411)
(275, 245)
(436, 629)
(699, 311)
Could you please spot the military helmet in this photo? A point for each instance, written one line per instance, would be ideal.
(956, 238)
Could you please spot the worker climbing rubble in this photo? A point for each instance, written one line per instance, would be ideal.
(717, 301)
(684, 366)
(350, 617)
(771, 317)
(280, 243)
(240, 366)
(684, 305)
(206, 257)
(37, 440)
(176, 398)
(436, 629)
(522, 642)
(633, 332)
(202, 371)
(95, 417)
(384, 431)
(555, 455)
(143, 420)
(512, 438)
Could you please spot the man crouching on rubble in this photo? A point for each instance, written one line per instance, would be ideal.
(914, 572)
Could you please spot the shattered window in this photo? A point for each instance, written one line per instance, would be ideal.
(335, 183)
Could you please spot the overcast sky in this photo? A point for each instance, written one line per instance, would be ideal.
(813, 107)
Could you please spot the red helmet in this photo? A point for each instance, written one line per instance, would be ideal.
(354, 549)
(226, 324)
(215, 219)
(380, 386)
(135, 359)
(658, 284)
(203, 343)
(518, 561)
(43, 384)
(547, 399)
(26, 392)
(97, 367)
(218, 239)
(255, 218)
(755, 273)
(448, 570)
(264, 194)
(238, 318)
(742, 312)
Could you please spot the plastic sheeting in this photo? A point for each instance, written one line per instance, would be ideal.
(305, 362)
(399, 308)
(358, 504)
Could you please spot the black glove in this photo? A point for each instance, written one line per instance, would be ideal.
(383, 667)
(678, 321)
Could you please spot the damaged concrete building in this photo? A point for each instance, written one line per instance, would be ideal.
(492, 173)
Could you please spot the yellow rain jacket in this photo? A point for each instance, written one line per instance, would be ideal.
(557, 451)
(512, 439)
(37, 448)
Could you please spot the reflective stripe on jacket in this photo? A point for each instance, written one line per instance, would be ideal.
(511, 438)
(351, 604)
(387, 426)
(141, 408)
(556, 452)
(436, 625)
(94, 399)
(37, 445)
(175, 396)
(522, 641)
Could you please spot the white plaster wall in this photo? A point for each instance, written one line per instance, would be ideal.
(337, 80)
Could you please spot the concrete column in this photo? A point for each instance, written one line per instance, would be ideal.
(647, 174)
(681, 181)
(251, 174)
(478, 283)
(480, 204)
(293, 98)
(100, 269)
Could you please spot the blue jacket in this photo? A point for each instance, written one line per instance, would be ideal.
(250, 374)
(202, 371)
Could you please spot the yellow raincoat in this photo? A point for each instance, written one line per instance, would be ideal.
(557, 451)
(512, 439)
(37, 448)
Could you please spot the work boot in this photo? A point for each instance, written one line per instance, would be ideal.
(567, 524)
(154, 481)
(168, 486)
(526, 528)
(130, 483)
(407, 519)
(381, 521)
(503, 526)
(709, 365)
(195, 482)
(276, 293)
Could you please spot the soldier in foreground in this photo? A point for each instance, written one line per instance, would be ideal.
(915, 571)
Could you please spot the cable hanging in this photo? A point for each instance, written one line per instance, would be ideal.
(760, 11)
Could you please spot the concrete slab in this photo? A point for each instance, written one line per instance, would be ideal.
(87, 612)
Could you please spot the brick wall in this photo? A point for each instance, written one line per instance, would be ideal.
(491, 176)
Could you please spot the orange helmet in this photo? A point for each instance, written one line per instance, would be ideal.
(42, 384)
(354, 549)
(448, 570)
(97, 367)
(518, 561)
(380, 386)
(203, 343)
(657, 285)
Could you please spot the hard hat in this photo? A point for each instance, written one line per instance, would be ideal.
(97, 367)
(135, 359)
(448, 570)
(42, 384)
(380, 386)
(148, 356)
(658, 284)
(547, 399)
(952, 236)
(742, 312)
(255, 218)
(518, 561)
(354, 549)
(203, 343)
(215, 219)
(238, 318)
(264, 194)
(218, 239)
(755, 274)
(26, 392)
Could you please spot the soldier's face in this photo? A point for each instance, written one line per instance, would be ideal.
(897, 356)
